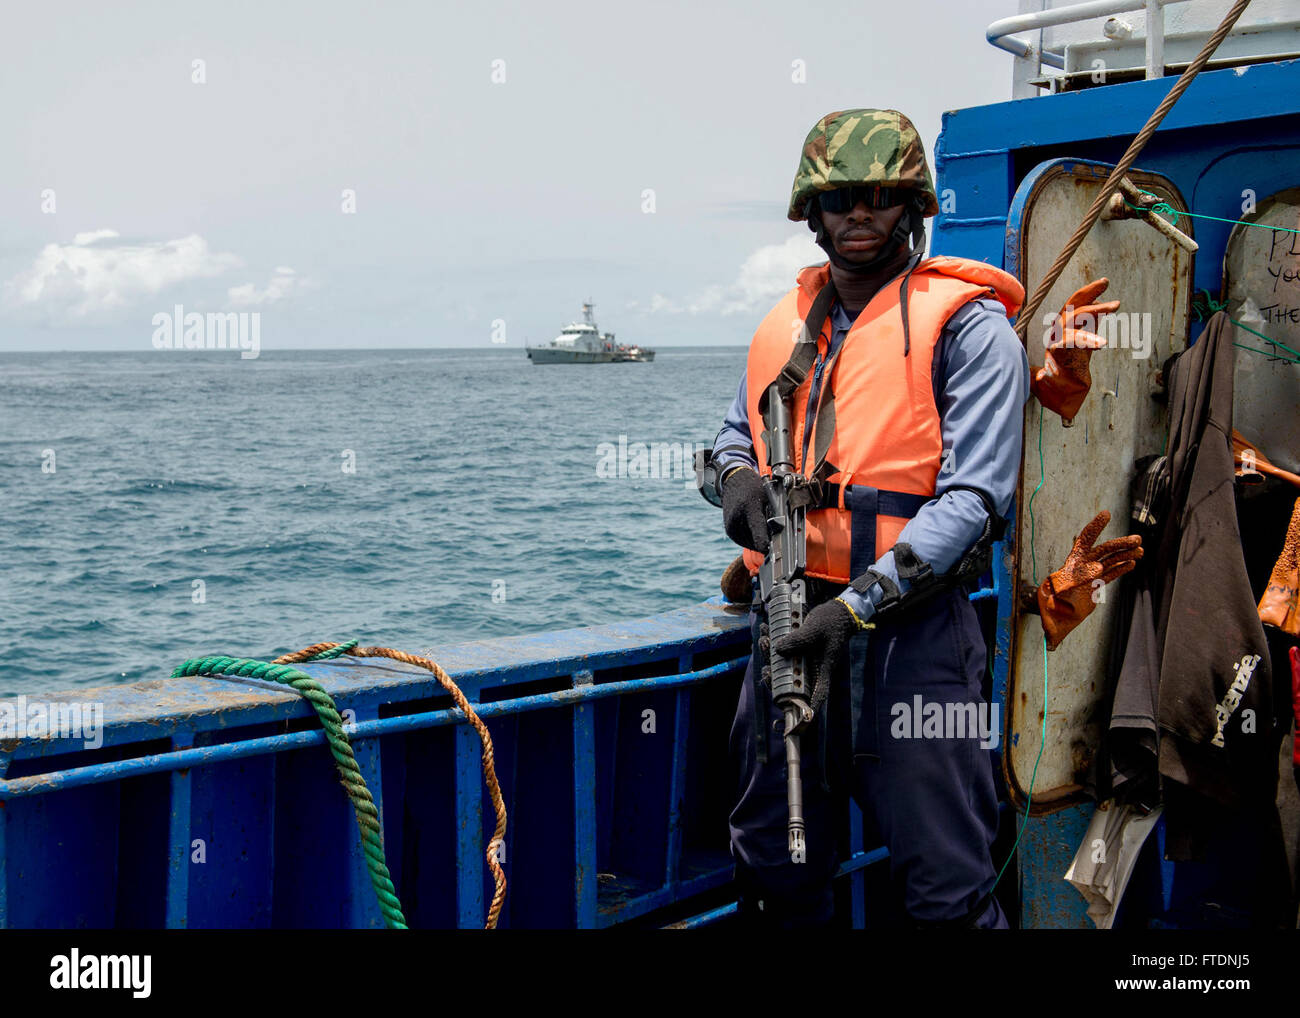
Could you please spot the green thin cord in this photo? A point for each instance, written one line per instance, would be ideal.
(1216, 306)
(1042, 740)
(1269, 339)
(1210, 303)
(1268, 353)
(1163, 206)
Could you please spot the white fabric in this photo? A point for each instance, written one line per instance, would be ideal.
(1105, 860)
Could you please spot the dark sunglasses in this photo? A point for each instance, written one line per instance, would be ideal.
(844, 199)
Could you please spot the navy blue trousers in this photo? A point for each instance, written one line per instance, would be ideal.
(932, 800)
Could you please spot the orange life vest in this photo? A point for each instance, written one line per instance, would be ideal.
(887, 447)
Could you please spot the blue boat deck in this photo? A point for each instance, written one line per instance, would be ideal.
(214, 803)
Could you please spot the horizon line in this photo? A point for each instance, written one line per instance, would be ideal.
(321, 349)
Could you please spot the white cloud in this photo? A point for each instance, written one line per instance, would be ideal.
(89, 277)
(284, 282)
(82, 239)
(763, 277)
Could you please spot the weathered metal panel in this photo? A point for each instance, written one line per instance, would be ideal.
(544, 889)
(362, 907)
(637, 831)
(314, 831)
(1261, 283)
(1266, 26)
(230, 854)
(1087, 467)
(1047, 901)
(423, 839)
(178, 841)
(585, 883)
(677, 786)
(62, 853)
(471, 906)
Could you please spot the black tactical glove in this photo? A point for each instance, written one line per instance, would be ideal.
(744, 509)
(820, 641)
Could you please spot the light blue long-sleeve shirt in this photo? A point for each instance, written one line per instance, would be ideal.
(980, 375)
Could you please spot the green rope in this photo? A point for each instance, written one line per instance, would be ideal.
(344, 759)
(333, 652)
(1204, 297)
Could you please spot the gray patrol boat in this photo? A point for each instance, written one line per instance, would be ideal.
(584, 343)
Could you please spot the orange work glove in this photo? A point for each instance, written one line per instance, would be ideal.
(1252, 464)
(1066, 597)
(736, 586)
(1064, 379)
(1278, 606)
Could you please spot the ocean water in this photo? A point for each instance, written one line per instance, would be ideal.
(162, 505)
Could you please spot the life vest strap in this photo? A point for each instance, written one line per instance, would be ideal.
(795, 370)
(823, 423)
(865, 504)
(904, 504)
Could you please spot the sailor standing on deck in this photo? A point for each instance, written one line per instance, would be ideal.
(928, 382)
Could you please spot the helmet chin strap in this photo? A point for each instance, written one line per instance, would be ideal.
(908, 234)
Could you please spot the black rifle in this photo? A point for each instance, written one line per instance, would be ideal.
(784, 598)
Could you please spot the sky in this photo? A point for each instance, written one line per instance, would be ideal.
(433, 174)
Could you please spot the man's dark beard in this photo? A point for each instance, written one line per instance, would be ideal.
(904, 238)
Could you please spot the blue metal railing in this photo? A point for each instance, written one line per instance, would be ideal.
(39, 784)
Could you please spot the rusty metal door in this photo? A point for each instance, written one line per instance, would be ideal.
(1086, 467)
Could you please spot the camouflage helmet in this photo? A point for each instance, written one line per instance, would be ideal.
(856, 147)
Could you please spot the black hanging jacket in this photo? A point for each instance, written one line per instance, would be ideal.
(1209, 703)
